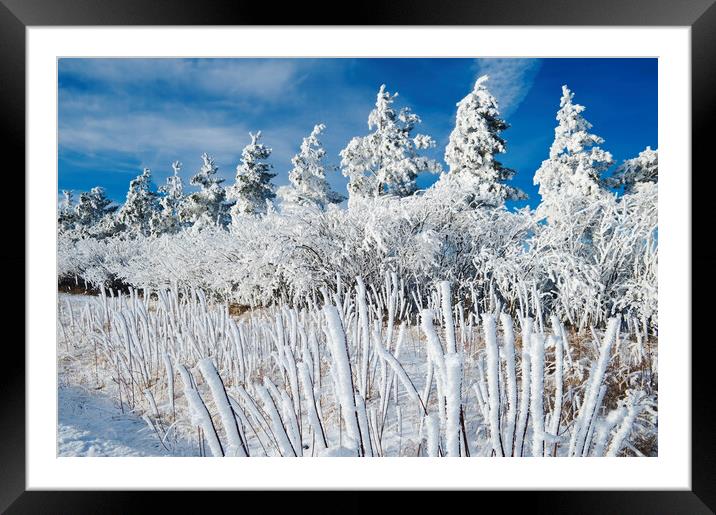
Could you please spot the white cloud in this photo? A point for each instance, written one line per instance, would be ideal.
(222, 78)
(139, 133)
(154, 111)
(156, 138)
(510, 80)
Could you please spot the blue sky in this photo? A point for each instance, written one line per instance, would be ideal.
(117, 116)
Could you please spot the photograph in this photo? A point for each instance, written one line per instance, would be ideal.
(357, 257)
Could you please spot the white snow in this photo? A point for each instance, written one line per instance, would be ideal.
(339, 353)
(493, 392)
(537, 393)
(388, 159)
(390, 422)
(91, 424)
(471, 150)
(221, 400)
(309, 186)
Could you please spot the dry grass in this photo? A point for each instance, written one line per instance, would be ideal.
(236, 310)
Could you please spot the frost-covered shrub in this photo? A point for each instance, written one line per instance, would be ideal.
(599, 261)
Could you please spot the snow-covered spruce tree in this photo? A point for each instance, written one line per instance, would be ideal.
(575, 166)
(171, 200)
(470, 153)
(66, 216)
(206, 206)
(141, 208)
(252, 189)
(309, 186)
(92, 206)
(641, 169)
(386, 161)
(66, 204)
(578, 210)
(93, 216)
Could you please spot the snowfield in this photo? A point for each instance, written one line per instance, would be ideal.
(174, 374)
(91, 424)
(91, 421)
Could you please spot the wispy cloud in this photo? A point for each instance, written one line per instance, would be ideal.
(119, 115)
(222, 78)
(155, 140)
(510, 80)
(143, 133)
(150, 112)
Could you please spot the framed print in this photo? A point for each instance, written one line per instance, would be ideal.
(439, 241)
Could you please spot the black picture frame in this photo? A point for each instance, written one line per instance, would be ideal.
(699, 15)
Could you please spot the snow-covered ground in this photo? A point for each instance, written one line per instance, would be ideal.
(90, 420)
(177, 375)
(91, 424)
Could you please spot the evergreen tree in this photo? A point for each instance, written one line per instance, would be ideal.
(470, 153)
(386, 161)
(66, 216)
(309, 186)
(92, 206)
(206, 206)
(141, 208)
(641, 169)
(576, 163)
(66, 204)
(171, 201)
(252, 189)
